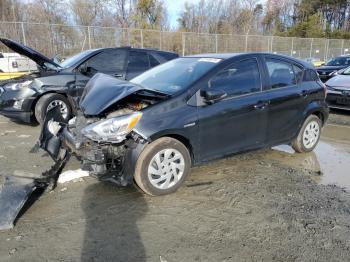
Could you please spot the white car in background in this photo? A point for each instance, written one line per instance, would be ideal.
(14, 63)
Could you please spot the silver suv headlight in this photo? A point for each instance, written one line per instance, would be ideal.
(17, 86)
(112, 130)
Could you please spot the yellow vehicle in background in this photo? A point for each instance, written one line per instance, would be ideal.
(5, 76)
(315, 61)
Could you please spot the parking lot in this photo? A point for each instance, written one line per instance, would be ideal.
(261, 206)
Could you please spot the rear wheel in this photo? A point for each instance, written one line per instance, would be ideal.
(308, 136)
(162, 166)
(48, 101)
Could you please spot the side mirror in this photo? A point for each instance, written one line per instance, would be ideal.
(212, 96)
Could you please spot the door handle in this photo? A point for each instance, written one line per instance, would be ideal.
(118, 75)
(261, 105)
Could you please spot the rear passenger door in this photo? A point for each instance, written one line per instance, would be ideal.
(138, 62)
(287, 99)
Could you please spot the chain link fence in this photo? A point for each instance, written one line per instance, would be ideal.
(65, 40)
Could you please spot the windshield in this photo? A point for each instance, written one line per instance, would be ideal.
(175, 75)
(339, 61)
(72, 60)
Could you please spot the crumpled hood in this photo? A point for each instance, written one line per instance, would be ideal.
(102, 91)
(339, 81)
(37, 57)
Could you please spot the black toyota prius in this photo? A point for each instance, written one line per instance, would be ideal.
(193, 109)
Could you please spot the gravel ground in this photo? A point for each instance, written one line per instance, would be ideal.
(261, 206)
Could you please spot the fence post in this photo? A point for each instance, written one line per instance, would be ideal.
(342, 47)
(23, 34)
(311, 47)
(141, 36)
(183, 43)
(292, 47)
(216, 43)
(246, 43)
(271, 43)
(89, 37)
(160, 40)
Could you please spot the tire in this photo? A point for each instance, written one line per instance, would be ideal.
(308, 136)
(172, 175)
(46, 101)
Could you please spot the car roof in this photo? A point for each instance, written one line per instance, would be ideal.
(132, 48)
(232, 55)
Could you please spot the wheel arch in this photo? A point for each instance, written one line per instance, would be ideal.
(42, 94)
(181, 138)
(317, 108)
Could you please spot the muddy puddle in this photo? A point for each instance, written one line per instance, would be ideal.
(330, 159)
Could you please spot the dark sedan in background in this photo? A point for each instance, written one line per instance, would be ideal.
(335, 64)
(28, 98)
(338, 90)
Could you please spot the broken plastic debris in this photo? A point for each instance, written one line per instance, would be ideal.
(53, 127)
(72, 175)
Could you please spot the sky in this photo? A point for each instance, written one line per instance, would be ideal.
(174, 8)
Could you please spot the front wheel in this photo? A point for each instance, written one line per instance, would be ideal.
(162, 166)
(47, 102)
(308, 136)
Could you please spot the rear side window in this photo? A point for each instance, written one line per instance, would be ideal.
(239, 78)
(138, 61)
(298, 73)
(281, 73)
(108, 61)
(153, 62)
(168, 56)
(310, 75)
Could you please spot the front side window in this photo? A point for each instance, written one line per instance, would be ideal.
(281, 73)
(238, 79)
(107, 61)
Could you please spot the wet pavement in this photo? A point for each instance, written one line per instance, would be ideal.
(268, 205)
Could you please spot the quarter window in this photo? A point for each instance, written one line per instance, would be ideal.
(281, 73)
(108, 61)
(239, 78)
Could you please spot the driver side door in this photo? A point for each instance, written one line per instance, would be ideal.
(238, 121)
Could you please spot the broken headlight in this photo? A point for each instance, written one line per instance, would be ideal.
(112, 129)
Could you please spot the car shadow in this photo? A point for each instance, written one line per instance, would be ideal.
(111, 232)
(33, 123)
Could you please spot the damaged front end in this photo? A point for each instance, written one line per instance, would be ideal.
(102, 135)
